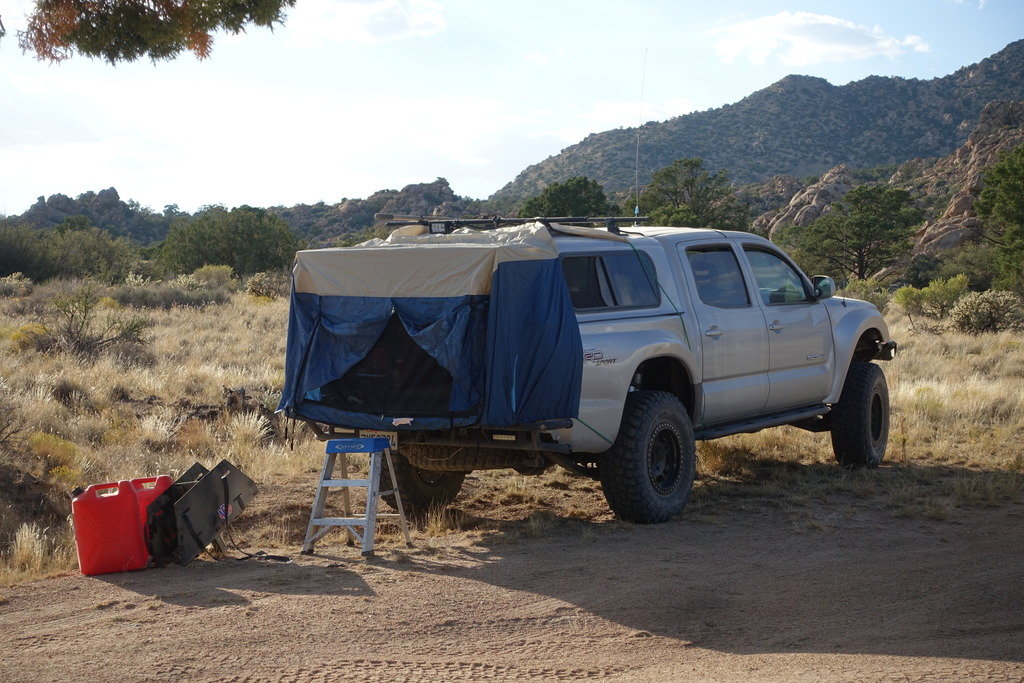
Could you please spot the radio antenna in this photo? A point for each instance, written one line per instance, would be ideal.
(636, 163)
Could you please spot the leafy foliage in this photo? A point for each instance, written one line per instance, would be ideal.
(686, 194)
(246, 239)
(579, 196)
(125, 31)
(215, 277)
(991, 311)
(935, 300)
(869, 229)
(975, 260)
(869, 290)
(77, 250)
(1002, 204)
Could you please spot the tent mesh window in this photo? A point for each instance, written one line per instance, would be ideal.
(396, 379)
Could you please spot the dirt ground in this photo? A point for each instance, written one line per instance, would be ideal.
(747, 595)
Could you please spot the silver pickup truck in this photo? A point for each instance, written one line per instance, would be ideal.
(686, 334)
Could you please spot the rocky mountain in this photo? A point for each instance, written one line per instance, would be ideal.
(799, 126)
(955, 181)
(318, 224)
(945, 188)
(104, 209)
(321, 223)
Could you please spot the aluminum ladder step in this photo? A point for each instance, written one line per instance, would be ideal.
(379, 450)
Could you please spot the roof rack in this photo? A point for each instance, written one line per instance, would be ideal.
(442, 226)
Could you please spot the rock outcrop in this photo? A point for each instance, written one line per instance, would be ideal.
(946, 188)
(769, 196)
(808, 204)
(322, 223)
(959, 177)
(104, 209)
(425, 199)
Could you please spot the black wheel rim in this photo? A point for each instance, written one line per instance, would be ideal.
(876, 417)
(664, 459)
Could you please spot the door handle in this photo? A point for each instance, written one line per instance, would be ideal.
(776, 325)
(713, 332)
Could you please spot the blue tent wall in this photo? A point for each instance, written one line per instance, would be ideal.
(534, 351)
(514, 356)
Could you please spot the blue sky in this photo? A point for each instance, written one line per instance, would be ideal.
(352, 96)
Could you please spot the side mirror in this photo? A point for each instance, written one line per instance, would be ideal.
(824, 286)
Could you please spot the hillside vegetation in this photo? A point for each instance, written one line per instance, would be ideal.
(799, 126)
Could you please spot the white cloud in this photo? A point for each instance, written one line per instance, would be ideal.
(317, 22)
(803, 38)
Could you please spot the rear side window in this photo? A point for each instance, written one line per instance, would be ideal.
(716, 273)
(623, 279)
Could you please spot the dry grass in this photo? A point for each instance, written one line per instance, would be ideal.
(36, 551)
(956, 438)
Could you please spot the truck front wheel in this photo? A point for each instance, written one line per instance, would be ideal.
(421, 489)
(648, 474)
(860, 420)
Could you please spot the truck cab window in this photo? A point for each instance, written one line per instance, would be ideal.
(622, 279)
(777, 281)
(716, 272)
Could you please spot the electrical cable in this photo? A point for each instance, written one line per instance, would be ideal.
(595, 431)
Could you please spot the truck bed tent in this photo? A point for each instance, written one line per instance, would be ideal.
(433, 332)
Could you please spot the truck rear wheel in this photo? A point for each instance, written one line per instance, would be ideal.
(421, 489)
(860, 421)
(648, 474)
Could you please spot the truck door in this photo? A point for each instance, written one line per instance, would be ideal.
(733, 333)
(800, 355)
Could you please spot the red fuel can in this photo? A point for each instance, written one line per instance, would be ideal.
(108, 532)
(148, 489)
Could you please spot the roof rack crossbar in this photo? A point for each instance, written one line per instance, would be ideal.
(442, 225)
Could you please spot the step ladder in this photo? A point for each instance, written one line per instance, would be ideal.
(379, 449)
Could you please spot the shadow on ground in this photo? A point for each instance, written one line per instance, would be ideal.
(205, 584)
(857, 566)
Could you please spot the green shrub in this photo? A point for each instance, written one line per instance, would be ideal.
(15, 284)
(167, 295)
(936, 300)
(991, 311)
(215, 277)
(939, 297)
(871, 291)
(30, 336)
(910, 299)
(54, 450)
(268, 285)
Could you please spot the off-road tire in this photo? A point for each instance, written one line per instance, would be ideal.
(860, 421)
(421, 489)
(648, 474)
